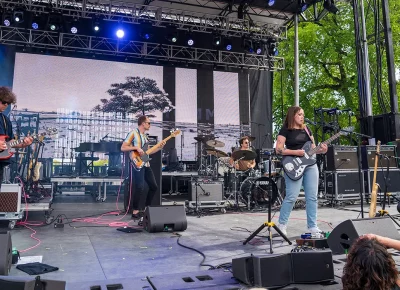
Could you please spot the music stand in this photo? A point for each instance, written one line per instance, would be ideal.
(270, 224)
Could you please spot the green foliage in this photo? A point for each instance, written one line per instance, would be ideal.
(138, 96)
(328, 67)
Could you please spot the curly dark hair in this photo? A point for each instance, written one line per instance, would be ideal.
(369, 267)
(6, 95)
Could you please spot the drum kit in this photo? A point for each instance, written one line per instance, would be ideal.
(249, 187)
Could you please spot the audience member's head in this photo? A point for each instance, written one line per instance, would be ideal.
(369, 267)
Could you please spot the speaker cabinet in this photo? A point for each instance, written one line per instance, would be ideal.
(279, 270)
(341, 158)
(344, 234)
(30, 283)
(392, 180)
(388, 150)
(5, 253)
(165, 218)
(207, 190)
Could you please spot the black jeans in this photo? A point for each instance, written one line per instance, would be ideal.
(137, 188)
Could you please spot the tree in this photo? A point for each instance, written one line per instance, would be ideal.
(328, 67)
(138, 96)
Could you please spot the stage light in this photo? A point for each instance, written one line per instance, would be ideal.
(172, 34)
(7, 22)
(54, 21)
(53, 27)
(228, 44)
(258, 47)
(96, 23)
(302, 6)
(146, 31)
(96, 27)
(330, 6)
(74, 30)
(7, 18)
(229, 47)
(217, 40)
(271, 2)
(190, 42)
(247, 44)
(35, 25)
(272, 47)
(120, 33)
(18, 16)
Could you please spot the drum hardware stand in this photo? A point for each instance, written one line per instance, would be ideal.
(269, 223)
(235, 194)
(197, 210)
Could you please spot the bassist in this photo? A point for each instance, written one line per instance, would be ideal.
(134, 197)
(291, 138)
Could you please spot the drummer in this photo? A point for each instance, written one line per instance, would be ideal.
(243, 165)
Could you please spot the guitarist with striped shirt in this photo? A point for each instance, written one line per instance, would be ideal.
(135, 140)
(291, 138)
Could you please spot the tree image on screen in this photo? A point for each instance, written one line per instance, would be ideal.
(137, 95)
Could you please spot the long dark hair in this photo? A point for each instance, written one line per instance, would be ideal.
(369, 267)
(289, 120)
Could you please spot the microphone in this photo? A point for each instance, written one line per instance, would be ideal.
(207, 193)
(310, 122)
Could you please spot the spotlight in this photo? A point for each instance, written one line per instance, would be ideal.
(190, 42)
(7, 22)
(146, 31)
(18, 16)
(258, 50)
(96, 23)
(74, 30)
(7, 18)
(302, 6)
(217, 40)
(330, 6)
(272, 47)
(53, 27)
(248, 45)
(54, 21)
(35, 25)
(120, 33)
(37, 21)
(172, 34)
(96, 27)
(228, 44)
(271, 2)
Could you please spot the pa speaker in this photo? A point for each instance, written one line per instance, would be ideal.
(29, 283)
(5, 253)
(280, 270)
(344, 234)
(165, 218)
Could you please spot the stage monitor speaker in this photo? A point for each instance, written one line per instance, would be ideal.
(279, 270)
(5, 253)
(165, 218)
(30, 283)
(345, 233)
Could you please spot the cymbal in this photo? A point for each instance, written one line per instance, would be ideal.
(244, 155)
(201, 138)
(251, 138)
(216, 152)
(215, 143)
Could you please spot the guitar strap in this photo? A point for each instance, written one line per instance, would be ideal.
(309, 135)
(5, 124)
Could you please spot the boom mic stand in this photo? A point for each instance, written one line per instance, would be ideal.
(270, 224)
(384, 212)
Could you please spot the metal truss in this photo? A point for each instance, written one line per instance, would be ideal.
(144, 50)
(159, 16)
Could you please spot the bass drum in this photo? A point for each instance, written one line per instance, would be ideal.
(258, 189)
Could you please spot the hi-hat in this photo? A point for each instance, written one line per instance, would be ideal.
(201, 138)
(244, 155)
(215, 143)
(216, 152)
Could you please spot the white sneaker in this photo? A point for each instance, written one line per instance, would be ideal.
(282, 228)
(314, 230)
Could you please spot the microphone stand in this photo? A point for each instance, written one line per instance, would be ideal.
(197, 184)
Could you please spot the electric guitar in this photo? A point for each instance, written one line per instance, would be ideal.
(6, 154)
(294, 166)
(139, 161)
(374, 192)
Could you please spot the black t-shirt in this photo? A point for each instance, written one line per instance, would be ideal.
(295, 138)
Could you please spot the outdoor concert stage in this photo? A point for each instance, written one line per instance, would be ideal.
(87, 252)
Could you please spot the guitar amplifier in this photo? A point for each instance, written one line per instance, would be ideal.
(342, 185)
(10, 198)
(341, 158)
(392, 180)
(389, 150)
(207, 190)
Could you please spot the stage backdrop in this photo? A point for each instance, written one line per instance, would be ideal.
(92, 100)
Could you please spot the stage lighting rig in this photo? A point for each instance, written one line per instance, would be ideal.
(272, 49)
(146, 29)
(54, 21)
(329, 5)
(228, 44)
(172, 34)
(302, 6)
(18, 15)
(7, 18)
(247, 44)
(217, 40)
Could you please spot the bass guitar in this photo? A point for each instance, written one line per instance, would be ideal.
(374, 192)
(6, 154)
(294, 166)
(139, 161)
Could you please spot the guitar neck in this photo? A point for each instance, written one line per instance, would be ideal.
(327, 141)
(14, 143)
(157, 146)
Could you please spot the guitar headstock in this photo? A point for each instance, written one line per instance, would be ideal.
(49, 132)
(175, 132)
(346, 131)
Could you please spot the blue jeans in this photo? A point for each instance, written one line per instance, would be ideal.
(310, 183)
